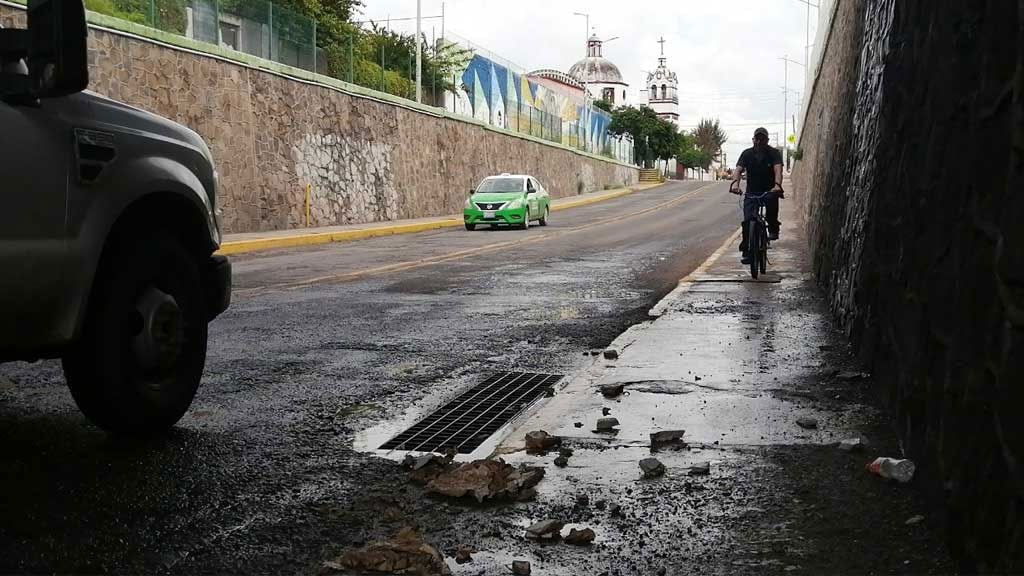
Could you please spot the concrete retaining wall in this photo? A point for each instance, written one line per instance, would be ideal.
(911, 186)
(367, 157)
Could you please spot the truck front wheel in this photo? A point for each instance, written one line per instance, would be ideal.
(140, 357)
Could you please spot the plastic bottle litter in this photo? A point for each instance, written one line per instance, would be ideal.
(899, 470)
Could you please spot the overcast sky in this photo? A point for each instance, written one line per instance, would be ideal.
(726, 52)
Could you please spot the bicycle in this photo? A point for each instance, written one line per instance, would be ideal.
(757, 233)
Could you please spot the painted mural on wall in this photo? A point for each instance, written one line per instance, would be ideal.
(491, 92)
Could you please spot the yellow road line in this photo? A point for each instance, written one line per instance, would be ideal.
(462, 254)
(314, 238)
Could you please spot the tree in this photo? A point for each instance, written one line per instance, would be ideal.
(653, 138)
(603, 105)
(709, 138)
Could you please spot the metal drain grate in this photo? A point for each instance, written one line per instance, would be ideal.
(466, 422)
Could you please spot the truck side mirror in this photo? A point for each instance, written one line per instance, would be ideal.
(57, 59)
(54, 46)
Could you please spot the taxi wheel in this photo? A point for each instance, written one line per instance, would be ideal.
(544, 220)
(526, 221)
(470, 227)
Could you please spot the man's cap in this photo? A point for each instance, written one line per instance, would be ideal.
(760, 132)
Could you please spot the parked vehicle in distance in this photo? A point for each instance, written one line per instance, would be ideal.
(108, 229)
(507, 200)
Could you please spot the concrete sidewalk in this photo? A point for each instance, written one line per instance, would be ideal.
(735, 363)
(256, 241)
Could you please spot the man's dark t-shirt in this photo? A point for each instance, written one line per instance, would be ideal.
(759, 164)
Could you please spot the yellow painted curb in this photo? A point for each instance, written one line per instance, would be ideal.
(314, 238)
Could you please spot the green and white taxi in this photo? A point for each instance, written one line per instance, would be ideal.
(508, 199)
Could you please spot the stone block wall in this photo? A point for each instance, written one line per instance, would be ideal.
(364, 159)
(911, 185)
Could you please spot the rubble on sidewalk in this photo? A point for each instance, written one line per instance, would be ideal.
(702, 469)
(561, 461)
(426, 467)
(405, 553)
(605, 411)
(667, 438)
(611, 354)
(520, 567)
(606, 424)
(486, 479)
(539, 441)
(853, 444)
(612, 390)
(580, 537)
(545, 529)
(652, 468)
(807, 423)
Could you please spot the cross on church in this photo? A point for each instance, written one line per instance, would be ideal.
(662, 42)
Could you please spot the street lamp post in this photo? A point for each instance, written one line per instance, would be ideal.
(785, 99)
(419, 52)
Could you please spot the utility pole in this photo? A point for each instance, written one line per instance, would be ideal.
(785, 99)
(419, 52)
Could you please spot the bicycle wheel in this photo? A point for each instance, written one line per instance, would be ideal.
(762, 256)
(753, 246)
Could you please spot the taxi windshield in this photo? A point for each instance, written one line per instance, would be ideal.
(510, 184)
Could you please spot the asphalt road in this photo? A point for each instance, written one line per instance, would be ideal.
(320, 344)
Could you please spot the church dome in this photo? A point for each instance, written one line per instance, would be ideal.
(595, 69)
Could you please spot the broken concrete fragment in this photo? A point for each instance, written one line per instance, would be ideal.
(561, 461)
(807, 422)
(520, 567)
(852, 375)
(578, 424)
(607, 423)
(853, 444)
(464, 555)
(612, 390)
(485, 479)
(702, 469)
(666, 438)
(567, 452)
(541, 441)
(526, 495)
(611, 353)
(652, 467)
(406, 553)
(580, 537)
(545, 529)
(418, 462)
(605, 411)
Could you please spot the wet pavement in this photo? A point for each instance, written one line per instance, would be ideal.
(320, 347)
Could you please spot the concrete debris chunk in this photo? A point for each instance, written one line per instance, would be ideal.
(852, 375)
(578, 424)
(807, 422)
(464, 555)
(418, 462)
(485, 479)
(521, 568)
(561, 461)
(567, 452)
(611, 353)
(702, 469)
(580, 537)
(853, 444)
(606, 424)
(405, 553)
(667, 438)
(540, 441)
(605, 411)
(652, 467)
(612, 390)
(545, 529)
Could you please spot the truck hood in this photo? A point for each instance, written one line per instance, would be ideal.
(120, 117)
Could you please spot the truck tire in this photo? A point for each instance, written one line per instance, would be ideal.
(137, 365)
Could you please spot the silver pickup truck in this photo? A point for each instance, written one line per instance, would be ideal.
(108, 230)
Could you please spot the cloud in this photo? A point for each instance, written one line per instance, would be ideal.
(726, 53)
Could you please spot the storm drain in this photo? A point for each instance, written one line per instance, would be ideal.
(466, 422)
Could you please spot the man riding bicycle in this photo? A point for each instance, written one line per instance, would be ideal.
(763, 165)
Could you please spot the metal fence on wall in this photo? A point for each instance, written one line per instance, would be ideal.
(267, 30)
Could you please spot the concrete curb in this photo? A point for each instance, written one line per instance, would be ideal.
(314, 238)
